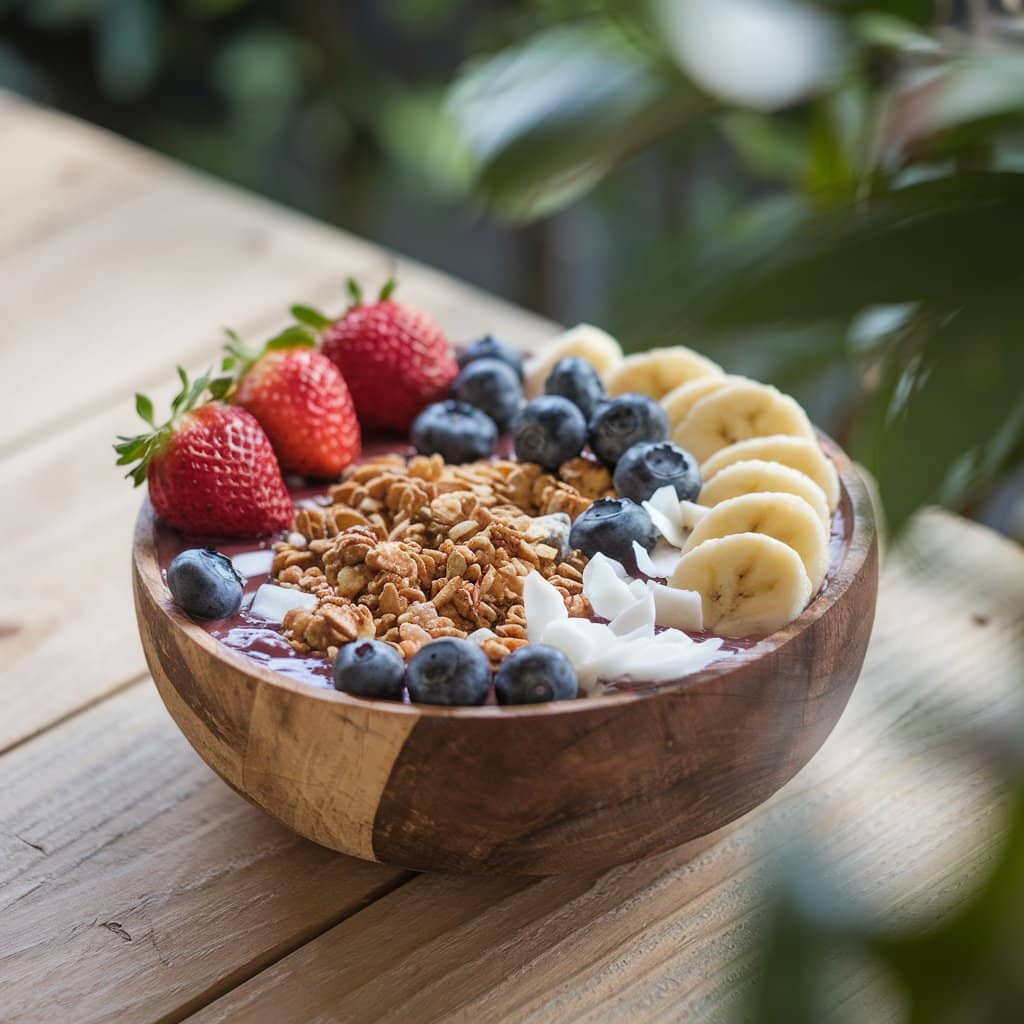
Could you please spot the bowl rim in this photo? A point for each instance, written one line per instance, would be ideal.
(855, 499)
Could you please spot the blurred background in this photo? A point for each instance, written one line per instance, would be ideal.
(824, 194)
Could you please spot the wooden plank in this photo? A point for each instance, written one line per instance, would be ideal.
(893, 800)
(135, 885)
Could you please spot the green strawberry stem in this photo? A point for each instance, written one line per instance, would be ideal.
(142, 448)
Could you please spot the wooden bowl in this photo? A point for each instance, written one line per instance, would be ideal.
(543, 789)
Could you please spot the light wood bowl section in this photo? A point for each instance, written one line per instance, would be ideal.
(545, 789)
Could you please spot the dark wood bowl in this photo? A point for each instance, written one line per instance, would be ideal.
(543, 789)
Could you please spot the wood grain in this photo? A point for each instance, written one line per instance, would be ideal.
(135, 886)
(894, 801)
(530, 790)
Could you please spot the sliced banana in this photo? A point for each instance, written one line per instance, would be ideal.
(750, 584)
(739, 411)
(659, 371)
(679, 401)
(800, 453)
(785, 517)
(752, 476)
(593, 344)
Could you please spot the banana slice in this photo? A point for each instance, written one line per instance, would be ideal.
(752, 476)
(800, 453)
(734, 413)
(785, 517)
(679, 401)
(593, 344)
(749, 584)
(659, 371)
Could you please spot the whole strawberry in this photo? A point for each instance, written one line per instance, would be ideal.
(395, 359)
(211, 469)
(301, 401)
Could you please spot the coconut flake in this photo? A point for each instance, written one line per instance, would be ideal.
(542, 604)
(663, 508)
(253, 563)
(272, 602)
(680, 609)
(636, 622)
(609, 595)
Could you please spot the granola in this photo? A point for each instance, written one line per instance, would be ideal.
(409, 551)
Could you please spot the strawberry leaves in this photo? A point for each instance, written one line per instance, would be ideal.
(139, 451)
(311, 317)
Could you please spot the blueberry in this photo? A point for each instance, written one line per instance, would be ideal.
(549, 430)
(575, 378)
(369, 668)
(534, 674)
(491, 386)
(647, 466)
(449, 671)
(456, 431)
(205, 584)
(609, 526)
(619, 423)
(490, 347)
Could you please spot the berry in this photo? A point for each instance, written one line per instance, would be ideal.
(621, 422)
(369, 668)
(449, 671)
(549, 430)
(204, 583)
(575, 378)
(646, 467)
(456, 431)
(493, 387)
(395, 359)
(211, 469)
(490, 347)
(535, 674)
(609, 526)
(302, 402)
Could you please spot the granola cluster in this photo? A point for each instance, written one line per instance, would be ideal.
(409, 551)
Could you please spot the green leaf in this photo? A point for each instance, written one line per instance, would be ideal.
(296, 336)
(355, 292)
(128, 47)
(311, 317)
(144, 407)
(546, 120)
(950, 405)
(387, 290)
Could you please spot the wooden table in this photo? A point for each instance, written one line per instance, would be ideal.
(135, 886)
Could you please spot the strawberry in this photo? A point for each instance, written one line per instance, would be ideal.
(301, 401)
(395, 359)
(211, 469)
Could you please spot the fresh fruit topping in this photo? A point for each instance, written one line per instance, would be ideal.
(369, 668)
(609, 526)
(549, 430)
(785, 517)
(272, 603)
(395, 359)
(204, 583)
(493, 387)
(742, 410)
(679, 401)
(456, 431)
(799, 452)
(490, 347)
(535, 674)
(659, 371)
(575, 378)
(624, 421)
(211, 469)
(646, 467)
(599, 348)
(750, 584)
(450, 672)
(751, 476)
(301, 401)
